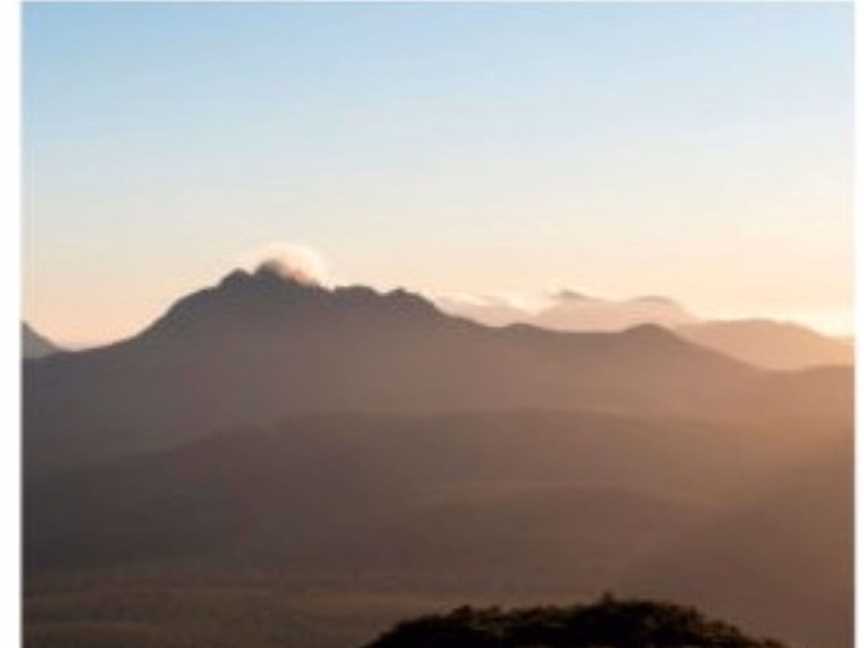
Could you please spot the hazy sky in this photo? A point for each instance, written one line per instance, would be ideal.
(698, 151)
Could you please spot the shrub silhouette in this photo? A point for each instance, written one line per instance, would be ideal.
(608, 623)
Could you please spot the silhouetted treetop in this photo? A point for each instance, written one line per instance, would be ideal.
(608, 623)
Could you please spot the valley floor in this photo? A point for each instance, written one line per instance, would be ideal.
(177, 608)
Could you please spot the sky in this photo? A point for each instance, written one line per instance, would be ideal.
(697, 151)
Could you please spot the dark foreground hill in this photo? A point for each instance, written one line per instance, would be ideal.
(609, 623)
(260, 347)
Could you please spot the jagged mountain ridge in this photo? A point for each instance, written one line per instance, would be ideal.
(258, 347)
(764, 343)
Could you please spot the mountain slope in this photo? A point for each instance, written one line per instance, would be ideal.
(794, 541)
(537, 505)
(567, 310)
(259, 347)
(34, 345)
(575, 312)
(765, 343)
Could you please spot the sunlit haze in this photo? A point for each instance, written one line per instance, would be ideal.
(700, 152)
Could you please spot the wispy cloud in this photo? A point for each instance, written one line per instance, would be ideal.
(294, 260)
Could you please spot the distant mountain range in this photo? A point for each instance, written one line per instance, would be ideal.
(366, 441)
(776, 345)
(567, 310)
(764, 343)
(34, 345)
(258, 347)
(571, 311)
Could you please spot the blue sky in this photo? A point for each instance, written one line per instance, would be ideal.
(702, 151)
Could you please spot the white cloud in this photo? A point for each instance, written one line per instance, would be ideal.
(295, 260)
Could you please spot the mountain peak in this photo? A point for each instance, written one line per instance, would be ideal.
(273, 297)
(651, 331)
(237, 277)
(659, 300)
(570, 295)
(270, 272)
(277, 270)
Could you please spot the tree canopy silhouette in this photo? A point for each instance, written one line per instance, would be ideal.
(608, 623)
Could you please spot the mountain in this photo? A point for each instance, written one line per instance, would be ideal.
(485, 309)
(795, 540)
(575, 312)
(34, 345)
(571, 311)
(270, 439)
(766, 343)
(258, 347)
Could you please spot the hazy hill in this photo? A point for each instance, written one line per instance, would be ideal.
(435, 470)
(537, 505)
(575, 312)
(34, 345)
(794, 540)
(775, 345)
(259, 347)
(763, 343)
(489, 310)
(571, 311)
